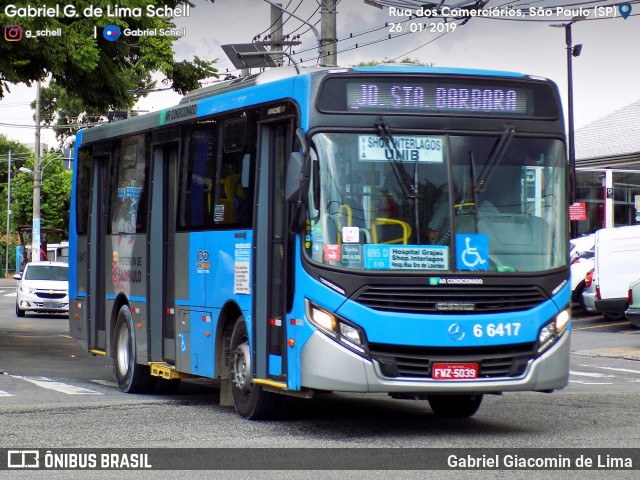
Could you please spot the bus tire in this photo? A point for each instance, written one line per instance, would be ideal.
(249, 399)
(454, 406)
(131, 377)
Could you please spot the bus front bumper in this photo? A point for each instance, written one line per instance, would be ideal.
(327, 365)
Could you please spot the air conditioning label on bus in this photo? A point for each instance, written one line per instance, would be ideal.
(406, 257)
(181, 112)
(372, 148)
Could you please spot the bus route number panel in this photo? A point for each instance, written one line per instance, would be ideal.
(406, 257)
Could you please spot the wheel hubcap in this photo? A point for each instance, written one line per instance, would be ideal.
(122, 355)
(241, 367)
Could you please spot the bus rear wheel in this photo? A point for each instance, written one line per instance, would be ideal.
(249, 399)
(131, 377)
(454, 406)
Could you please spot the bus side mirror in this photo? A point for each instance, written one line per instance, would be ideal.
(297, 181)
(296, 188)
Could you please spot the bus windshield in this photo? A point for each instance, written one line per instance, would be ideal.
(407, 202)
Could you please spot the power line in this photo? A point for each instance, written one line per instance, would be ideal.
(423, 45)
(12, 105)
(276, 21)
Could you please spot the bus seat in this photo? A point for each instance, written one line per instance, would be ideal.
(518, 241)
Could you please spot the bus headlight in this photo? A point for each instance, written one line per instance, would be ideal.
(552, 331)
(343, 332)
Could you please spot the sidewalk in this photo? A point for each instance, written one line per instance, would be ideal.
(7, 283)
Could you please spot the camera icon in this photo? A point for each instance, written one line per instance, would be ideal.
(13, 33)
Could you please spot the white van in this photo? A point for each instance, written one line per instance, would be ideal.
(617, 265)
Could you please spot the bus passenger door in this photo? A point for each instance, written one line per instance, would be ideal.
(96, 268)
(160, 252)
(274, 255)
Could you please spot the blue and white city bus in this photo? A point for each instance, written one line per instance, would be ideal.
(393, 229)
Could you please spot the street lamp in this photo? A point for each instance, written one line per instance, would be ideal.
(572, 51)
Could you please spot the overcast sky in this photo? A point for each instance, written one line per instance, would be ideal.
(606, 75)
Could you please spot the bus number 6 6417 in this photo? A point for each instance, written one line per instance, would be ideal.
(509, 329)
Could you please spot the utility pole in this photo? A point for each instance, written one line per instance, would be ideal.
(276, 40)
(328, 33)
(276, 33)
(6, 271)
(276, 45)
(37, 182)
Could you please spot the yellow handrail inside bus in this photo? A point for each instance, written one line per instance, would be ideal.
(342, 211)
(381, 222)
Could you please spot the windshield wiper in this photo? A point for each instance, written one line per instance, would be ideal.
(495, 158)
(407, 185)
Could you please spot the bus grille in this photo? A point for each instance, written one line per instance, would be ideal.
(416, 362)
(450, 300)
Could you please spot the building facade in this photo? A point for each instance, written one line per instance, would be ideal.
(608, 171)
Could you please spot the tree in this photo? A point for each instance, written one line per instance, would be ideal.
(55, 194)
(90, 73)
(19, 155)
(67, 113)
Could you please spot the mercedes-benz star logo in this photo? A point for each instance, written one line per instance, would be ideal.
(456, 332)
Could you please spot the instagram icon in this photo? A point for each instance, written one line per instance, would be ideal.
(13, 33)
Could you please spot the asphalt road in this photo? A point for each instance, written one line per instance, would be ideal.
(53, 395)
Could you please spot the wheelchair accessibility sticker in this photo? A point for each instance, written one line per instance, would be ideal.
(472, 251)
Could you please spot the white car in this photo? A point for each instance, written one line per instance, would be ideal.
(580, 266)
(43, 287)
(580, 245)
(588, 299)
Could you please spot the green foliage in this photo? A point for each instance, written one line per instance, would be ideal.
(19, 153)
(55, 194)
(64, 112)
(187, 74)
(101, 75)
(54, 199)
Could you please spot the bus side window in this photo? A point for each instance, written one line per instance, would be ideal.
(233, 207)
(196, 197)
(128, 193)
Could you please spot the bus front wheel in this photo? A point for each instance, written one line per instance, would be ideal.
(455, 406)
(132, 377)
(249, 400)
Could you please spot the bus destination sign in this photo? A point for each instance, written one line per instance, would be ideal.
(432, 97)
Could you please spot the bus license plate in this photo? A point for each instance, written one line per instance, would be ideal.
(454, 371)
